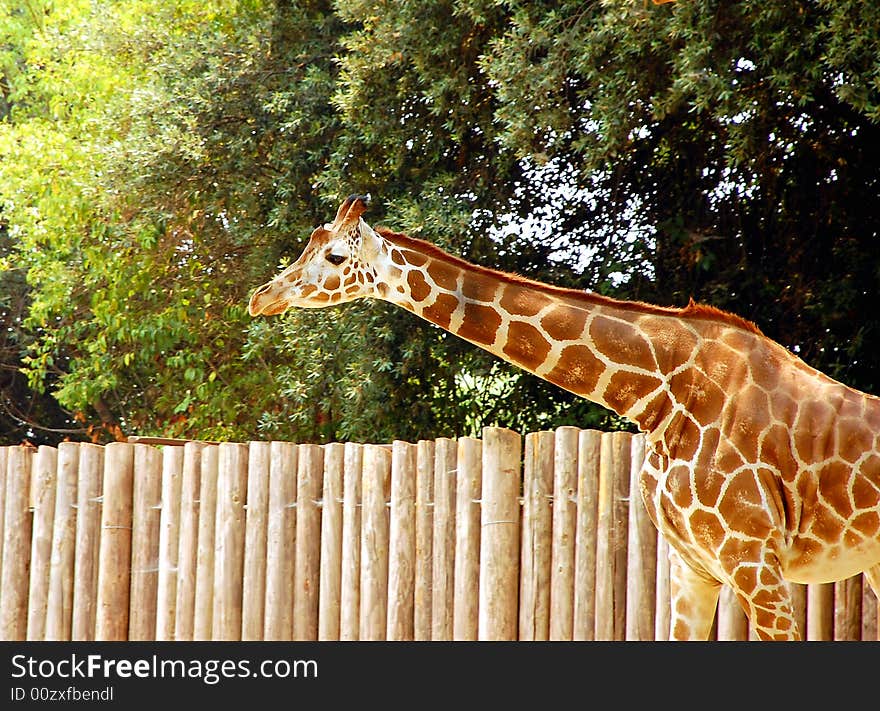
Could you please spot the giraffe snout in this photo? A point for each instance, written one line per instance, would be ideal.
(266, 301)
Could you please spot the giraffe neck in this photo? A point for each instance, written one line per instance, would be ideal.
(592, 346)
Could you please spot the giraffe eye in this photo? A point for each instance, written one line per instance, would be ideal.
(335, 259)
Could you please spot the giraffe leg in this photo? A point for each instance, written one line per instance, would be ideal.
(694, 599)
(765, 596)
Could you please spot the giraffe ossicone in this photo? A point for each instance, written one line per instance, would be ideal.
(759, 469)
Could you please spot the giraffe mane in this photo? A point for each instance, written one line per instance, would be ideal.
(692, 311)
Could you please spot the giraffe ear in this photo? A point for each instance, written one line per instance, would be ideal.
(357, 206)
(351, 209)
(371, 244)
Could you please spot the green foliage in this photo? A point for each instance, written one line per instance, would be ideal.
(160, 160)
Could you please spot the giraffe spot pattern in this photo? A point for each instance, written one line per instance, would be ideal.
(577, 370)
(443, 275)
(625, 389)
(479, 290)
(564, 323)
(740, 505)
(526, 345)
(834, 487)
(622, 343)
(517, 302)
(707, 530)
(672, 348)
(440, 312)
(480, 324)
(419, 289)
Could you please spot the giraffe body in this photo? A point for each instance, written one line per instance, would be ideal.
(759, 469)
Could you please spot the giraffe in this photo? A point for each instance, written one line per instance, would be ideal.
(759, 469)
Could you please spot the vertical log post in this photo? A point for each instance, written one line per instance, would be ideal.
(42, 494)
(203, 616)
(331, 543)
(188, 541)
(88, 528)
(402, 543)
(663, 618)
(3, 459)
(424, 539)
(114, 562)
(589, 447)
(537, 541)
(848, 609)
(565, 484)
(799, 601)
(641, 573)
(820, 612)
(229, 536)
(306, 566)
(374, 542)
(443, 589)
(169, 538)
(499, 534)
(145, 523)
(350, 594)
(17, 522)
(467, 539)
(281, 541)
(256, 521)
(59, 608)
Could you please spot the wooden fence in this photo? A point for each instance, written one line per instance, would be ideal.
(502, 538)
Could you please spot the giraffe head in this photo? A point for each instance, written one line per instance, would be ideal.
(337, 265)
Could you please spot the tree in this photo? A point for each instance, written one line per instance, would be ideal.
(158, 161)
(745, 133)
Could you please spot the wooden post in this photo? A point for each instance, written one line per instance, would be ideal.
(146, 517)
(188, 541)
(820, 612)
(641, 578)
(88, 527)
(229, 535)
(203, 617)
(307, 572)
(350, 593)
(848, 609)
(443, 588)
(42, 494)
(537, 542)
(499, 534)
(799, 602)
(565, 485)
(622, 445)
(374, 542)
(114, 562)
(17, 524)
(3, 458)
(662, 620)
(59, 608)
(611, 550)
(281, 541)
(169, 540)
(424, 539)
(467, 539)
(256, 521)
(870, 612)
(589, 444)
(733, 624)
(402, 543)
(331, 542)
